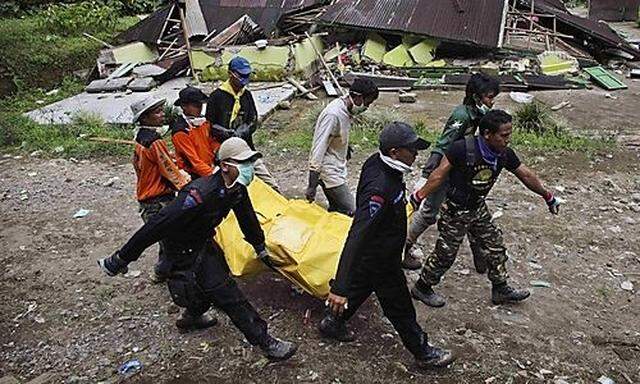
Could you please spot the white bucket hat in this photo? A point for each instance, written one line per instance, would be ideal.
(140, 107)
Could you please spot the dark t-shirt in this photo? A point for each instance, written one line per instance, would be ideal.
(470, 185)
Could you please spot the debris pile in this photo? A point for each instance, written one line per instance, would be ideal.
(413, 44)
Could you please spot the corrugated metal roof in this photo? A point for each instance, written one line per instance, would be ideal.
(614, 10)
(574, 25)
(477, 22)
(219, 14)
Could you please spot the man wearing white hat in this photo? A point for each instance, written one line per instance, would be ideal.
(200, 275)
(158, 176)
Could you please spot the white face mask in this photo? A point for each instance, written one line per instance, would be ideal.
(195, 121)
(396, 164)
(357, 109)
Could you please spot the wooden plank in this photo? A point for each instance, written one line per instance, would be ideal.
(304, 91)
(605, 78)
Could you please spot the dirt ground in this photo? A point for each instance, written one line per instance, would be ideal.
(59, 314)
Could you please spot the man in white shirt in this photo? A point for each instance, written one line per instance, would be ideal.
(330, 148)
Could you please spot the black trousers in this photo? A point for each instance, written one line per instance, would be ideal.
(208, 284)
(148, 209)
(390, 286)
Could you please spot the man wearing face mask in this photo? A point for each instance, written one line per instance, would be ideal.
(191, 135)
(330, 148)
(370, 260)
(480, 94)
(158, 177)
(232, 112)
(472, 166)
(200, 275)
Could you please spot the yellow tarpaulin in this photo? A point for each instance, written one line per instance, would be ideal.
(304, 240)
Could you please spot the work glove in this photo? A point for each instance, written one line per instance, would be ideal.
(113, 265)
(314, 181)
(552, 203)
(416, 199)
(243, 131)
(221, 133)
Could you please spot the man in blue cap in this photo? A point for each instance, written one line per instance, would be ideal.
(231, 111)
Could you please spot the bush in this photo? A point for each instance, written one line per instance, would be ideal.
(34, 56)
(73, 19)
(537, 118)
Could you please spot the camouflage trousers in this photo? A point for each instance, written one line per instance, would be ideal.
(454, 224)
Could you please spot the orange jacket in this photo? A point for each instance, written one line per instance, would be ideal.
(157, 173)
(195, 147)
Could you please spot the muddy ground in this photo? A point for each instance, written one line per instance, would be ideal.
(58, 313)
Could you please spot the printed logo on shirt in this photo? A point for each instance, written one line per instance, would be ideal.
(193, 199)
(483, 178)
(375, 204)
(399, 197)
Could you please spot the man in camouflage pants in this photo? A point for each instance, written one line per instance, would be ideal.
(473, 165)
(479, 98)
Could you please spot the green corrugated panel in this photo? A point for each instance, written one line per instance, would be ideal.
(605, 79)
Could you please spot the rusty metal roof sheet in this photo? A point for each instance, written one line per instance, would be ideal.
(477, 22)
(598, 33)
(219, 14)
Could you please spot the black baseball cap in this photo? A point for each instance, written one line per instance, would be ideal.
(190, 95)
(401, 135)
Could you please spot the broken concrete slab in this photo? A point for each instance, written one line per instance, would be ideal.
(557, 63)
(129, 53)
(398, 57)
(305, 56)
(423, 52)
(148, 70)
(108, 85)
(374, 48)
(114, 108)
(142, 84)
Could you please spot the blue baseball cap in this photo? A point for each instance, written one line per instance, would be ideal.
(241, 66)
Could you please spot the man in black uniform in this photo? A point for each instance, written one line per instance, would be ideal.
(370, 260)
(473, 165)
(200, 276)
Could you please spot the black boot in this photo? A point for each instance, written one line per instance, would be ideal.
(411, 260)
(434, 357)
(425, 293)
(278, 350)
(188, 322)
(332, 328)
(501, 294)
(113, 265)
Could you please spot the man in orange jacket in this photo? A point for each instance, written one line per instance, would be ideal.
(191, 135)
(158, 175)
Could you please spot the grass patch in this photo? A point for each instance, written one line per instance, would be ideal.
(40, 49)
(535, 129)
(20, 134)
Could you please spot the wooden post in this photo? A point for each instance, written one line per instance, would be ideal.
(187, 43)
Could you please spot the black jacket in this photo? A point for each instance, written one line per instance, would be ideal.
(220, 107)
(190, 220)
(379, 227)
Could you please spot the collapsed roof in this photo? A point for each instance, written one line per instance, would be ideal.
(218, 15)
(476, 22)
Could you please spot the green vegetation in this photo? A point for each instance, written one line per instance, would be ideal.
(40, 49)
(19, 133)
(534, 129)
